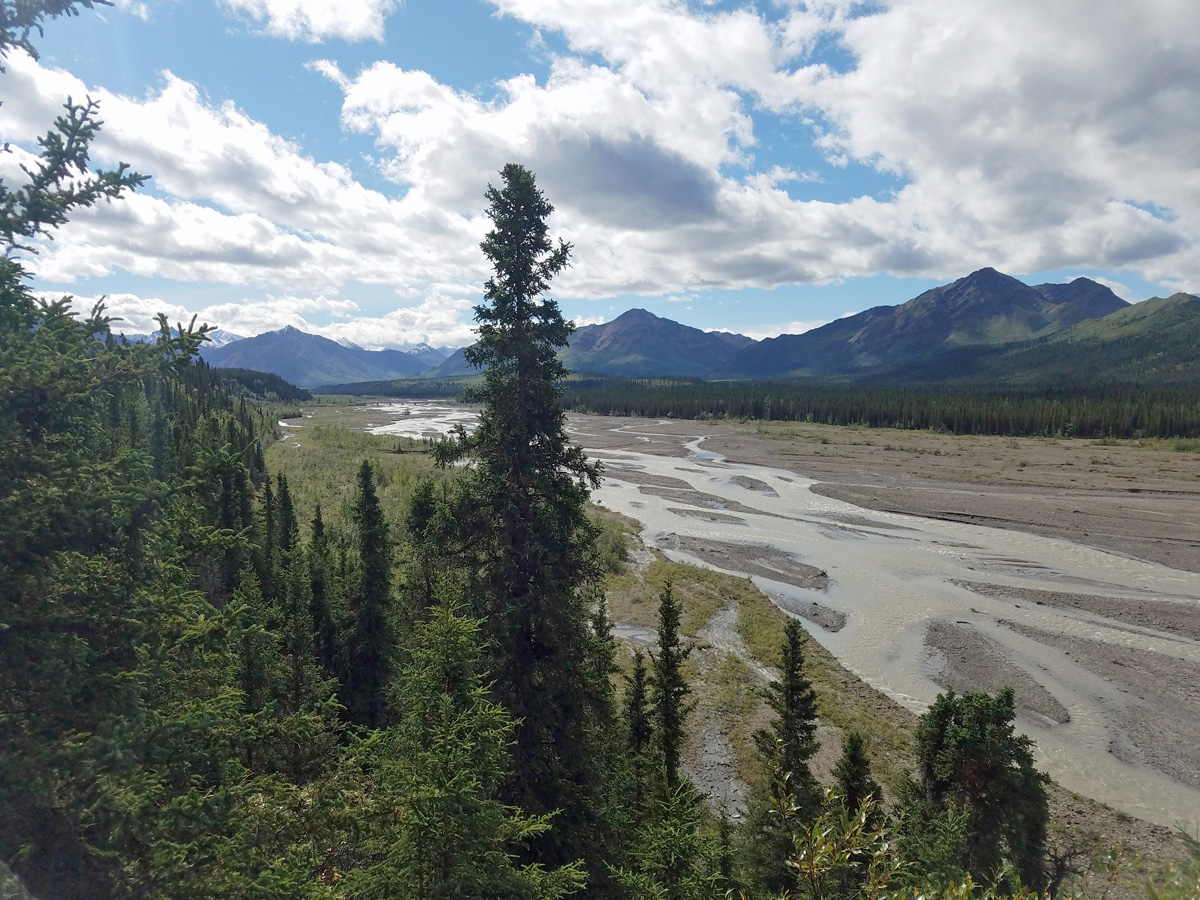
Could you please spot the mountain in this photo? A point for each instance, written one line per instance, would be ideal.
(454, 366)
(1156, 342)
(429, 356)
(308, 360)
(986, 308)
(636, 344)
(639, 344)
(216, 338)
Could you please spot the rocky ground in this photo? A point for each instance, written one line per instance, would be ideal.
(1137, 499)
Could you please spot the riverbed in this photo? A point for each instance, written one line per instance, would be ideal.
(1102, 650)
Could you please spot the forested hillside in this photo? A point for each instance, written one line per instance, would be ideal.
(208, 692)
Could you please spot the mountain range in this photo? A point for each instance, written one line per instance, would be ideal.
(986, 326)
(308, 360)
(986, 308)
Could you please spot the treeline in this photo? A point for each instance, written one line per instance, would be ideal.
(251, 383)
(1120, 412)
(415, 388)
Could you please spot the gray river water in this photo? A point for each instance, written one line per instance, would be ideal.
(892, 578)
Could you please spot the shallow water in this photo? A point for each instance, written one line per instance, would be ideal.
(890, 575)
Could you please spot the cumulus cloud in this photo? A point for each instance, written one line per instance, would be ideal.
(134, 7)
(435, 320)
(231, 202)
(1019, 142)
(775, 329)
(1026, 136)
(316, 20)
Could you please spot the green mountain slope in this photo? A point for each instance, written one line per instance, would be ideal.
(1152, 343)
(986, 308)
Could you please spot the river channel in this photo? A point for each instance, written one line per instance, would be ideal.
(915, 605)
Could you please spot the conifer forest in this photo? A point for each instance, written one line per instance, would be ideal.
(392, 675)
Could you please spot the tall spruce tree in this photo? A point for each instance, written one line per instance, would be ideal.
(855, 784)
(670, 688)
(373, 641)
(321, 576)
(521, 514)
(784, 748)
(639, 730)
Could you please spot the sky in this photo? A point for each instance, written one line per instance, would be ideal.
(753, 167)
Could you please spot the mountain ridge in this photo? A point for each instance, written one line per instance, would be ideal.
(311, 361)
(984, 308)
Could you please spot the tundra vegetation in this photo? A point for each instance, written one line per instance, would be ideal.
(234, 667)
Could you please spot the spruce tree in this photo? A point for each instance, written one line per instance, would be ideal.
(639, 731)
(784, 749)
(853, 774)
(971, 757)
(437, 828)
(373, 643)
(520, 516)
(322, 587)
(289, 528)
(670, 688)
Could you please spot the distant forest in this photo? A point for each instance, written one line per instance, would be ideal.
(957, 409)
(1119, 411)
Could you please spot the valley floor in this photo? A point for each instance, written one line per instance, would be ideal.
(1141, 501)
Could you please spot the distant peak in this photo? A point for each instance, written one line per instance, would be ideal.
(636, 314)
(987, 273)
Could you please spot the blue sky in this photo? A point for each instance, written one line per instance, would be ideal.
(756, 167)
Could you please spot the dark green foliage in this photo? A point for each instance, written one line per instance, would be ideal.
(289, 528)
(728, 880)
(519, 522)
(261, 385)
(670, 689)
(784, 748)
(972, 760)
(674, 855)
(436, 827)
(373, 643)
(854, 782)
(414, 389)
(637, 715)
(322, 589)
(1121, 411)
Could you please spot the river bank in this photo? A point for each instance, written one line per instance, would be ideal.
(1095, 627)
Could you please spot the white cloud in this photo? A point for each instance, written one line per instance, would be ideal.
(580, 321)
(759, 332)
(1025, 136)
(231, 202)
(434, 320)
(316, 20)
(141, 10)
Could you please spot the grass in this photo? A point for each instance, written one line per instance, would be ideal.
(843, 700)
(740, 711)
(322, 457)
(726, 688)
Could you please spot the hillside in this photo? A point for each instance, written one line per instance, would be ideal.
(636, 344)
(640, 344)
(986, 308)
(308, 360)
(1154, 343)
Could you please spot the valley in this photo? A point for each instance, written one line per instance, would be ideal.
(1064, 568)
